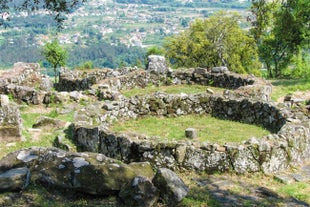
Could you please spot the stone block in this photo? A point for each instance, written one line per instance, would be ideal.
(4, 100)
(191, 133)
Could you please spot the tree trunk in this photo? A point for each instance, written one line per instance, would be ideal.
(269, 70)
(55, 73)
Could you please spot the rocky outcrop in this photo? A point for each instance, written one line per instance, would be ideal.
(88, 173)
(85, 172)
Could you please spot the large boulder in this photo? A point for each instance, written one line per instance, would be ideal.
(140, 192)
(89, 173)
(172, 189)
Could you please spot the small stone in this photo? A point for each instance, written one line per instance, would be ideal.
(210, 91)
(220, 148)
(201, 70)
(11, 144)
(104, 86)
(191, 133)
(4, 100)
(284, 178)
(221, 69)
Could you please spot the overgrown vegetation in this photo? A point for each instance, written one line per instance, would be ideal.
(281, 30)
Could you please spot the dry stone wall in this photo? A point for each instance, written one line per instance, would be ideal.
(288, 144)
(160, 104)
(129, 78)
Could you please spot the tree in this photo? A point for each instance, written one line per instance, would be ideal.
(215, 41)
(281, 30)
(57, 8)
(155, 50)
(55, 55)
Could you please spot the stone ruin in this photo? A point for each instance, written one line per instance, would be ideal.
(246, 99)
(10, 120)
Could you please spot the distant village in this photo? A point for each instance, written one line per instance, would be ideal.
(131, 24)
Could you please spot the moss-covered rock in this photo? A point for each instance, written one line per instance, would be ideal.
(90, 173)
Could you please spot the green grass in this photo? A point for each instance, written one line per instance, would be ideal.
(300, 191)
(284, 87)
(209, 128)
(174, 89)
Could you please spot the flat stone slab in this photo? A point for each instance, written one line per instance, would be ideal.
(283, 178)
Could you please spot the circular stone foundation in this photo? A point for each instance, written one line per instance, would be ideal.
(288, 143)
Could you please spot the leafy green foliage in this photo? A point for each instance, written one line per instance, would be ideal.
(103, 55)
(155, 50)
(55, 54)
(299, 191)
(216, 41)
(87, 65)
(281, 30)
